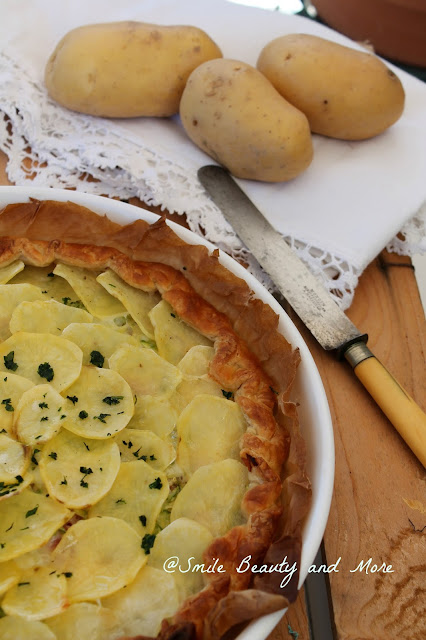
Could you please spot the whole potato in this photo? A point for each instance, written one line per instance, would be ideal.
(345, 93)
(232, 112)
(126, 69)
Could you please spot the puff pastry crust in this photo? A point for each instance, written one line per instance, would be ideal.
(251, 358)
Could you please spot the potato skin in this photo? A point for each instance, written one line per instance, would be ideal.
(126, 69)
(345, 93)
(234, 114)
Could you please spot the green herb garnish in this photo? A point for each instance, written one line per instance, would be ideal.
(97, 359)
(148, 542)
(45, 371)
(9, 362)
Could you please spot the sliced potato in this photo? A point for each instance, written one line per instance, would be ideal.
(94, 297)
(103, 554)
(42, 357)
(156, 590)
(186, 540)
(35, 519)
(39, 415)
(78, 472)
(10, 574)
(17, 628)
(11, 295)
(209, 430)
(40, 593)
(14, 459)
(99, 404)
(174, 337)
(138, 303)
(145, 371)
(16, 486)
(45, 316)
(136, 496)
(191, 387)
(52, 286)
(197, 360)
(11, 389)
(136, 444)
(154, 414)
(97, 338)
(85, 621)
(213, 496)
(11, 270)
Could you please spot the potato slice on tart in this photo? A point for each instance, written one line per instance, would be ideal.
(45, 316)
(83, 621)
(14, 460)
(52, 286)
(209, 430)
(10, 574)
(95, 299)
(10, 297)
(140, 444)
(173, 336)
(97, 341)
(177, 550)
(39, 415)
(99, 404)
(30, 520)
(137, 495)
(196, 361)
(137, 302)
(156, 590)
(102, 555)
(12, 387)
(17, 628)
(153, 413)
(39, 594)
(146, 372)
(10, 270)
(213, 496)
(190, 387)
(77, 471)
(42, 357)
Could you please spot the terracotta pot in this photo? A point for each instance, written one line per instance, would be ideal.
(395, 28)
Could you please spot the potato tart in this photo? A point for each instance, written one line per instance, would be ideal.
(150, 458)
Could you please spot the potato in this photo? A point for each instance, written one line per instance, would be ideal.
(234, 114)
(345, 93)
(126, 69)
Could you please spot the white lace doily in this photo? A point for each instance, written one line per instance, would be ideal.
(54, 147)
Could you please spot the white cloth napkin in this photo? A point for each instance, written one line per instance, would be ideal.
(339, 214)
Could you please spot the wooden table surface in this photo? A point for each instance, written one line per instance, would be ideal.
(378, 509)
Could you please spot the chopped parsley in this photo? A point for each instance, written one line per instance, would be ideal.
(33, 458)
(97, 359)
(22, 584)
(67, 574)
(86, 445)
(86, 470)
(120, 501)
(72, 303)
(9, 362)
(227, 394)
(7, 404)
(45, 371)
(83, 415)
(53, 455)
(143, 520)
(83, 483)
(73, 399)
(44, 418)
(101, 417)
(173, 315)
(157, 484)
(51, 275)
(31, 512)
(64, 481)
(148, 542)
(112, 400)
(43, 405)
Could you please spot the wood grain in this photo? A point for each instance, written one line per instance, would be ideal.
(379, 504)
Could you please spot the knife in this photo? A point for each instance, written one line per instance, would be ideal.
(314, 305)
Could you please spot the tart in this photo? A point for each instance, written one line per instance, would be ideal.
(153, 474)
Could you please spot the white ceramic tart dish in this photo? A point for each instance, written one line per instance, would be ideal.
(166, 449)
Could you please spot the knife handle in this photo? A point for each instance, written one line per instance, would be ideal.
(405, 415)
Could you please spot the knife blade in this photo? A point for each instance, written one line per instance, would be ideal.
(314, 305)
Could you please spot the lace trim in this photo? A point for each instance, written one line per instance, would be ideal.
(53, 147)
